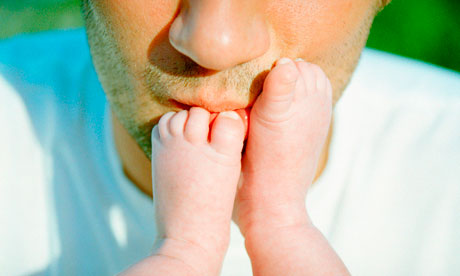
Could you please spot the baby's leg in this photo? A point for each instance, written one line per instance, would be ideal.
(288, 127)
(195, 172)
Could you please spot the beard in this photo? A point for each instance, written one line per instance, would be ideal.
(139, 94)
(138, 100)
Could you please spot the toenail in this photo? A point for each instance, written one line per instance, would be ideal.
(299, 59)
(230, 114)
(284, 61)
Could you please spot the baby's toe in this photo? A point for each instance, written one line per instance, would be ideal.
(177, 123)
(163, 125)
(321, 78)
(197, 127)
(315, 79)
(329, 89)
(318, 90)
(227, 133)
(278, 90)
(308, 75)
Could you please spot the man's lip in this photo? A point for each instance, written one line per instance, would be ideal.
(213, 102)
(179, 105)
(220, 107)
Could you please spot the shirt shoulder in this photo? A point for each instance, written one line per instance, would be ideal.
(405, 79)
(398, 99)
(55, 164)
(390, 190)
(413, 98)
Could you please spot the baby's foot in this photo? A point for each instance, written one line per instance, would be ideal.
(287, 129)
(196, 171)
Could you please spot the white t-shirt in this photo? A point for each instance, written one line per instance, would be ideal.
(388, 201)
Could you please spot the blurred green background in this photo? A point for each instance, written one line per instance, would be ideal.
(428, 30)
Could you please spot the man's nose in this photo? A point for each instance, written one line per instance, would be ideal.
(219, 34)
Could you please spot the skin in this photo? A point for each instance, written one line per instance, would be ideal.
(158, 56)
(145, 76)
(155, 56)
(197, 165)
(196, 172)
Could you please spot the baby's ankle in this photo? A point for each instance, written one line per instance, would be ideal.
(276, 240)
(202, 259)
(273, 218)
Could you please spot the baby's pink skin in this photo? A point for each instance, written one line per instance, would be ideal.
(195, 180)
(288, 126)
(196, 169)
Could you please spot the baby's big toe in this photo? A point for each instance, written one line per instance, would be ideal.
(278, 90)
(227, 133)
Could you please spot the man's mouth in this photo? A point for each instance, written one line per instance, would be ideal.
(212, 99)
(179, 105)
(212, 105)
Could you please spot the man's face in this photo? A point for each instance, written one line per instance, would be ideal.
(154, 56)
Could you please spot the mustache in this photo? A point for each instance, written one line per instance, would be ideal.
(183, 71)
(180, 66)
